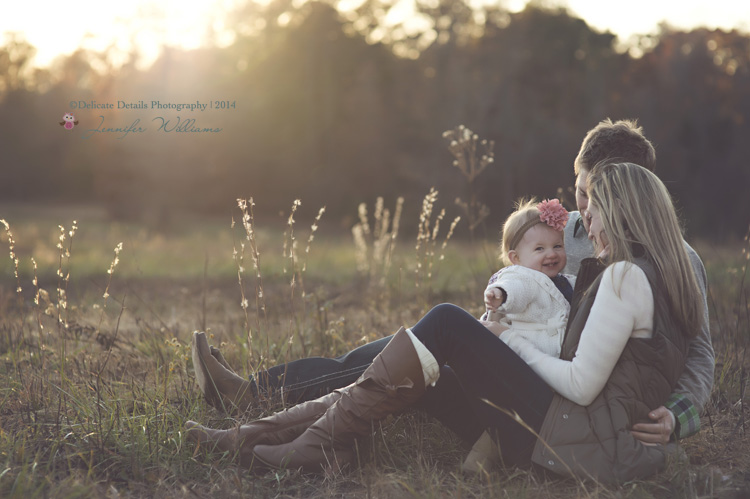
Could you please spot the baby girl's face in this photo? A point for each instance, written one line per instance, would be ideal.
(542, 248)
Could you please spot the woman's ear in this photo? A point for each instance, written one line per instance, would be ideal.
(513, 257)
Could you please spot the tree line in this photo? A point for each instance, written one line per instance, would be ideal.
(336, 109)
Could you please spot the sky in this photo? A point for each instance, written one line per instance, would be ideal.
(56, 27)
(643, 16)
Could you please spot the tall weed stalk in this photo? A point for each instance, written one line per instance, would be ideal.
(374, 246)
(471, 155)
(427, 240)
(248, 223)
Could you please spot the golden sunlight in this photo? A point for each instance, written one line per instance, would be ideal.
(143, 25)
(60, 28)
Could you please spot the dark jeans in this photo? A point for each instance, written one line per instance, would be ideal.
(487, 369)
(310, 378)
(475, 365)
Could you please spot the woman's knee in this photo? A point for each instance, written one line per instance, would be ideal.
(448, 311)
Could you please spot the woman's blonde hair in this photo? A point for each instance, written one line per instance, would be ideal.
(525, 211)
(638, 217)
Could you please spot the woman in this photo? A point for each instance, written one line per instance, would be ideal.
(632, 315)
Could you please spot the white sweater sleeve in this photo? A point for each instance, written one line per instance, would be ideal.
(623, 308)
(519, 292)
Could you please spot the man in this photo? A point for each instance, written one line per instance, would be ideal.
(624, 141)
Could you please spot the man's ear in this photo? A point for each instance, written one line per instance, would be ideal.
(513, 257)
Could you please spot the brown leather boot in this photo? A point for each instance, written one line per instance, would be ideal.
(279, 428)
(221, 386)
(216, 354)
(393, 381)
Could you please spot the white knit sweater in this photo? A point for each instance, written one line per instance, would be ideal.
(623, 308)
(534, 308)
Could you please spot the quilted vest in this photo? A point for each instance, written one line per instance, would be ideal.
(595, 441)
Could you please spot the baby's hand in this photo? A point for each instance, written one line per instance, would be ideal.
(496, 327)
(493, 298)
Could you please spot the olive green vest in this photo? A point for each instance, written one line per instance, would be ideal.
(595, 441)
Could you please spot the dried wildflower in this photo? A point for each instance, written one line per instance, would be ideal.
(362, 212)
(374, 246)
(248, 222)
(465, 147)
(361, 249)
(12, 245)
(111, 270)
(450, 234)
(295, 205)
(313, 229)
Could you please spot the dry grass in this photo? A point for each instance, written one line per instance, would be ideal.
(95, 397)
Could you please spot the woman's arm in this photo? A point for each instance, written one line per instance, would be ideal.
(623, 307)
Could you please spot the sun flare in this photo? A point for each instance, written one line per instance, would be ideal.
(60, 28)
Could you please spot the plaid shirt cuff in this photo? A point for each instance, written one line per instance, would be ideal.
(687, 420)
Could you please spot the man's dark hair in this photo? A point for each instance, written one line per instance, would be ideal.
(622, 140)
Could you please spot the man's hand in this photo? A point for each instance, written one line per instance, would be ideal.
(493, 298)
(495, 327)
(657, 432)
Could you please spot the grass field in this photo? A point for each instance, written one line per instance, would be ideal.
(98, 381)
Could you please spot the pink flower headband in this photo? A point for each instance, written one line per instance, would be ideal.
(551, 212)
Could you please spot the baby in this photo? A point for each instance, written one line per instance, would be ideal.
(530, 297)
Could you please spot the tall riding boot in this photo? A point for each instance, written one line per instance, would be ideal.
(216, 354)
(221, 386)
(280, 428)
(394, 381)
